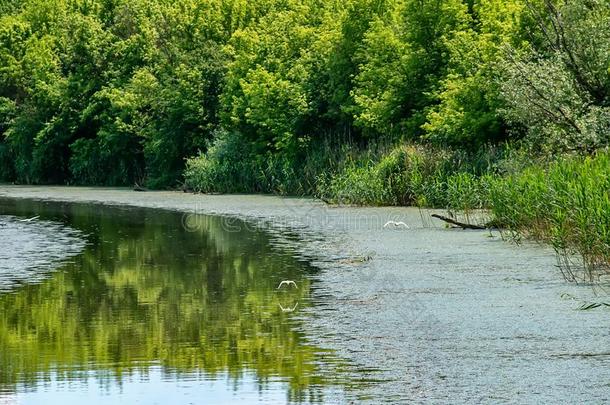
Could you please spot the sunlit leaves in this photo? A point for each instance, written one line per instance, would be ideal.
(558, 88)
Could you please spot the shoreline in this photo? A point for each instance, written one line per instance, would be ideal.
(436, 314)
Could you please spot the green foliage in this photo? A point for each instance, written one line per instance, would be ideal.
(558, 88)
(468, 96)
(281, 96)
(565, 203)
(231, 166)
(7, 114)
(414, 175)
(402, 59)
(112, 92)
(9, 6)
(227, 166)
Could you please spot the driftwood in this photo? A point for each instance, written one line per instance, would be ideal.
(137, 187)
(457, 223)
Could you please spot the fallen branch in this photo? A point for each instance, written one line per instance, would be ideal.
(137, 187)
(457, 223)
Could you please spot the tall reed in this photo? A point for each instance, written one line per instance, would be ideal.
(565, 203)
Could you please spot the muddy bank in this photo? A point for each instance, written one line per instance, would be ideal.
(431, 314)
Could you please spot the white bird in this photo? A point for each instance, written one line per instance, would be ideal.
(396, 224)
(287, 282)
(288, 309)
(29, 219)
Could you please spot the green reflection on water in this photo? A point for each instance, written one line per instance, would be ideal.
(148, 292)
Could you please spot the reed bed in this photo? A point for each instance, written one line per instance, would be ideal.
(564, 202)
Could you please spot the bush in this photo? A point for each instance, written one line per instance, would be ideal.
(412, 175)
(108, 160)
(232, 165)
(225, 167)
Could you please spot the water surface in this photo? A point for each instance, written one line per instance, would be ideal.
(157, 307)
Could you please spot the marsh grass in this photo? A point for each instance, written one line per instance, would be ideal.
(412, 175)
(565, 203)
(231, 166)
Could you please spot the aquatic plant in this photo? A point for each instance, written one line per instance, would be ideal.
(565, 203)
(413, 175)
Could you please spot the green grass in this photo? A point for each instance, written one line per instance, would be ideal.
(565, 203)
(231, 166)
(413, 175)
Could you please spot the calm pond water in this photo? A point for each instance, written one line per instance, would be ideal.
(146, 310)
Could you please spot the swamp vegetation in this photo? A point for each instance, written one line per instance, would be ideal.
(459, 104)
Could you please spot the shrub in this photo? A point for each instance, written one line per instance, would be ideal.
(411, 175)
(226, 166)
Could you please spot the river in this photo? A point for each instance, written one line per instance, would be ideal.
(178, 302)
(128, 305)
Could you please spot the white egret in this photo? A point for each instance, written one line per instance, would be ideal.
(396, 225)
(288, 283)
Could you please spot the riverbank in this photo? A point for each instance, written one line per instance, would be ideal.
(561, 200)
(435, 314)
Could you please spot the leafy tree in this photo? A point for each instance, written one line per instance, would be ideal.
(467, 113)
(114, 92)
(403, 57)
(558, 88)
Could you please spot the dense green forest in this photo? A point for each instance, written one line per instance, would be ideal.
(451, 103)
(275, 93)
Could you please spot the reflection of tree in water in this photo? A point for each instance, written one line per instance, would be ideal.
(147, 292)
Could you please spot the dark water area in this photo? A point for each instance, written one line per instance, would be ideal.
(151, 306)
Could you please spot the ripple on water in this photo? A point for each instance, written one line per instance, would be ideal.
(29, 251)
